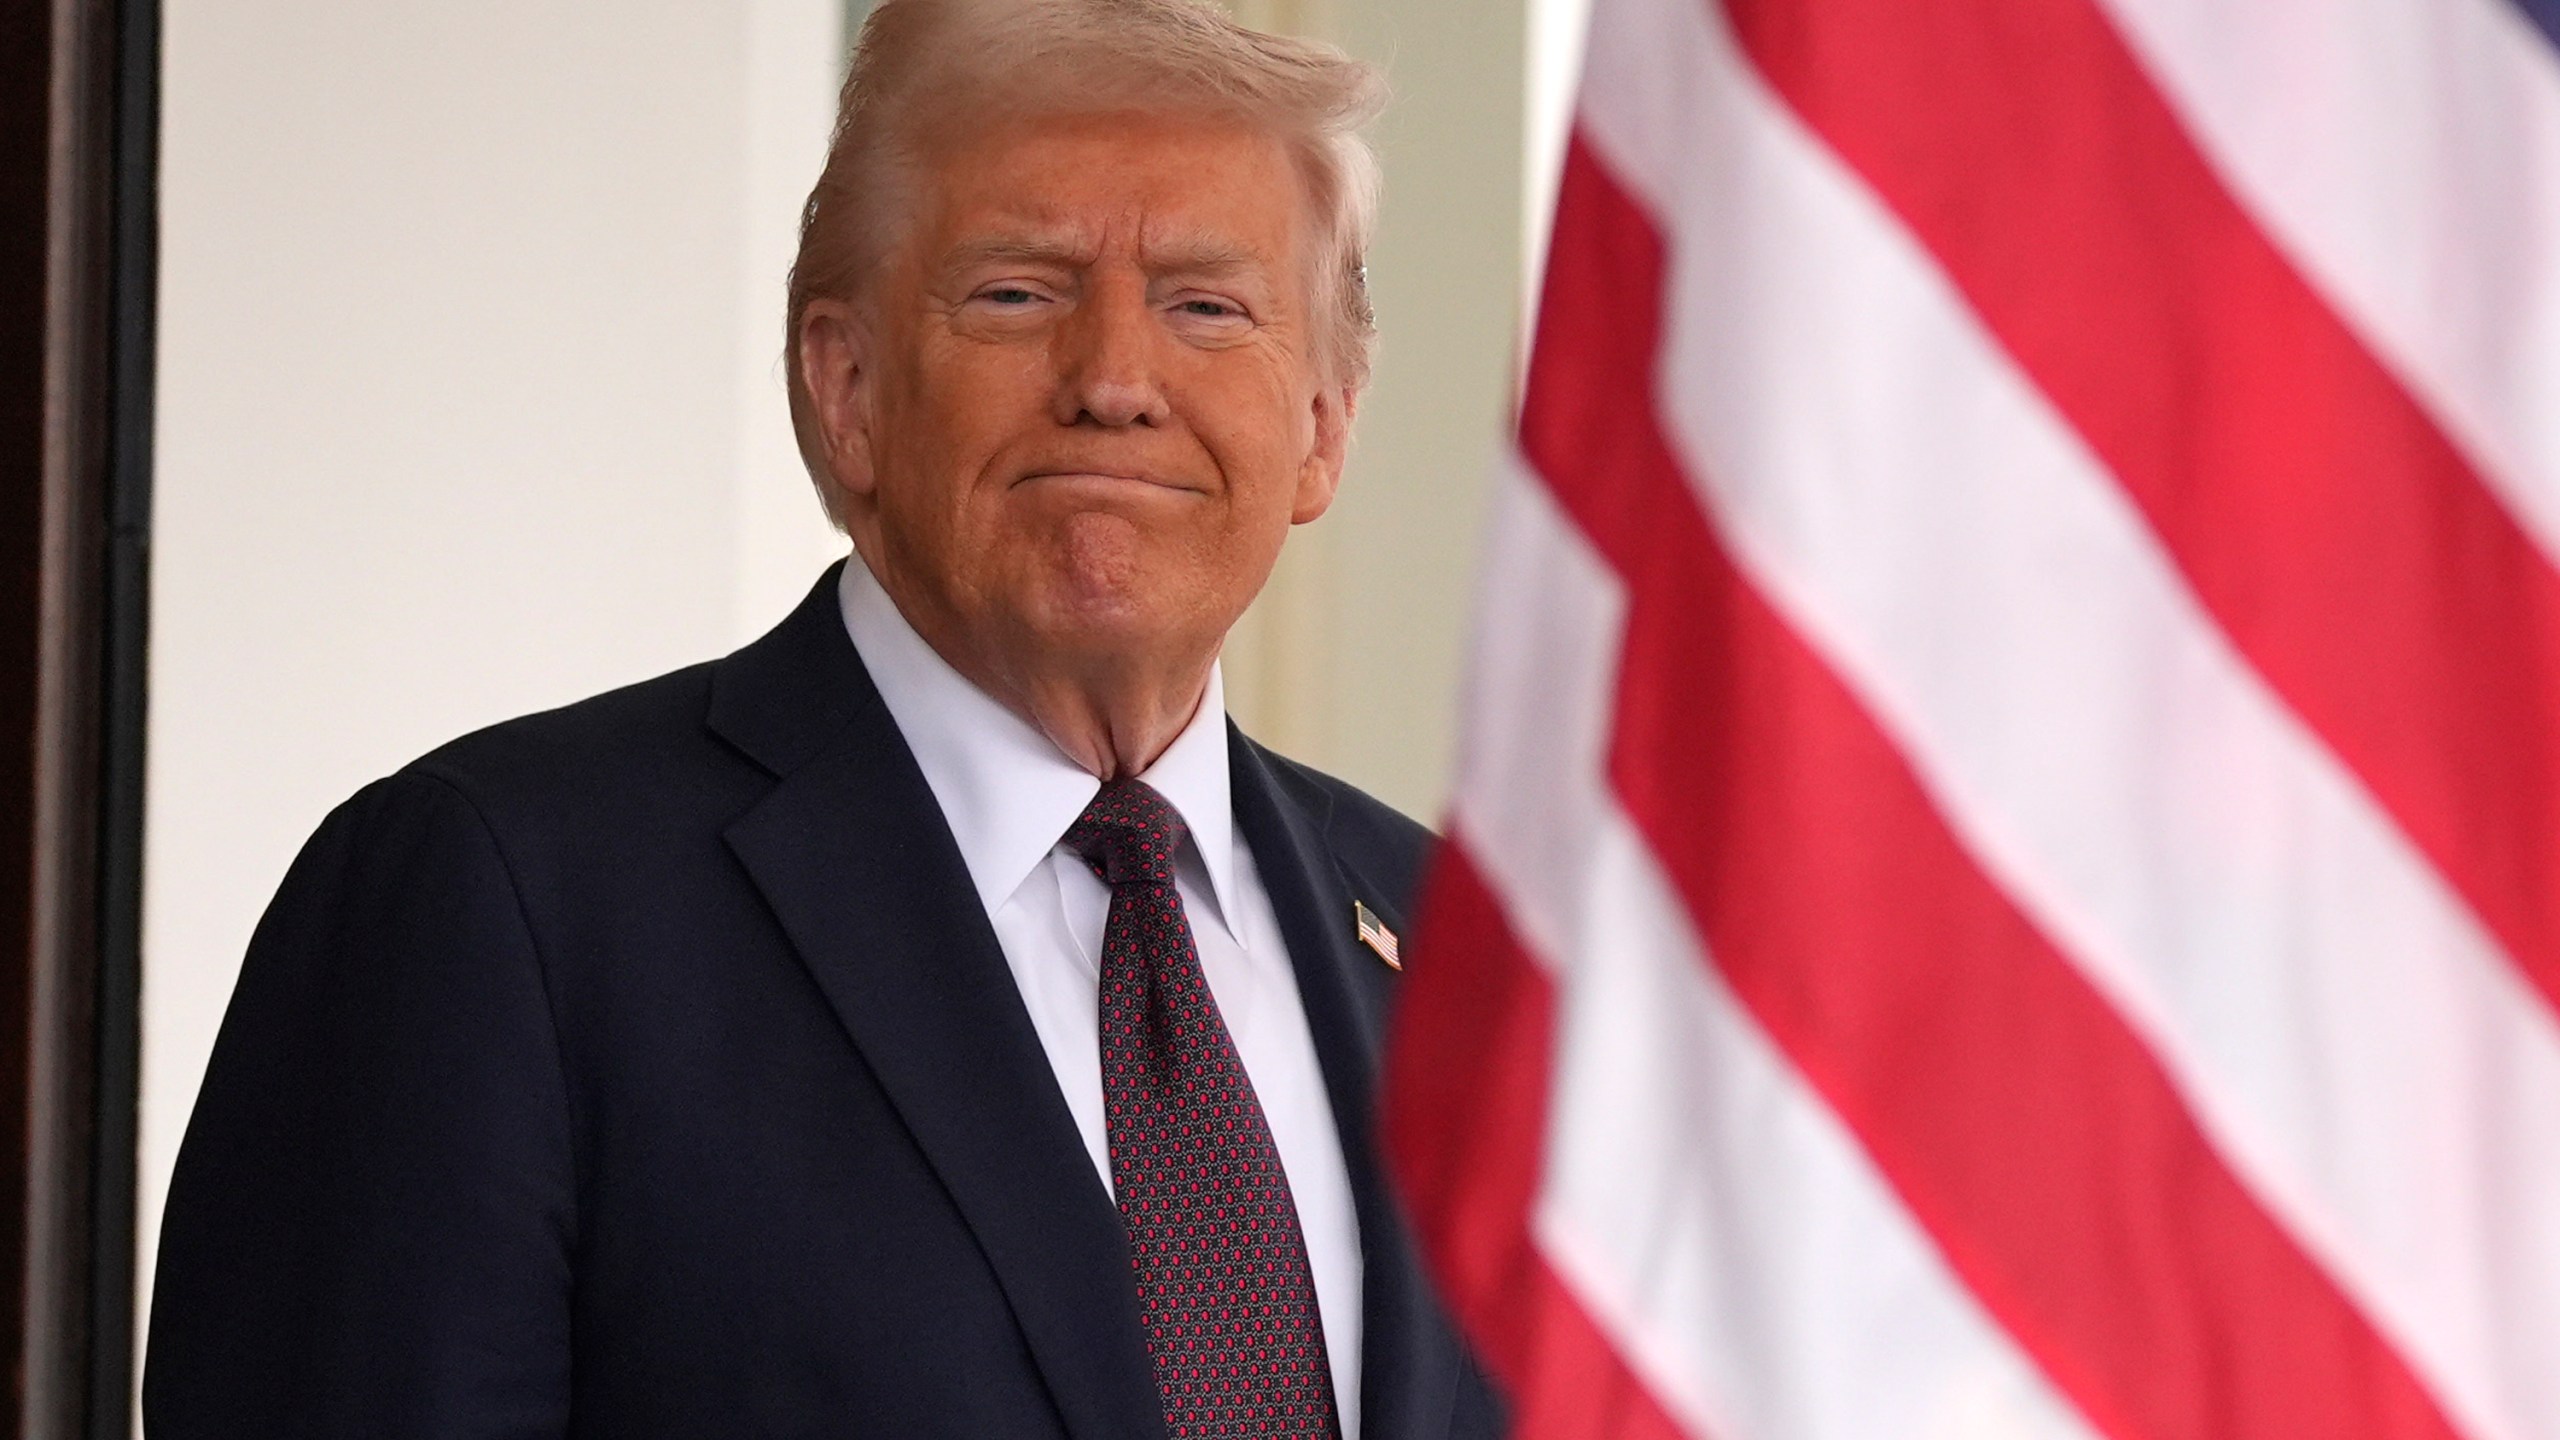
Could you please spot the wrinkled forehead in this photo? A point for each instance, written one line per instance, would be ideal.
(1176, 191)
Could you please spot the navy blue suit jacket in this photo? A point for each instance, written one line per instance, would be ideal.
(648, 1068)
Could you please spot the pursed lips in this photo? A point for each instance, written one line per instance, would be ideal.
(1104, 477)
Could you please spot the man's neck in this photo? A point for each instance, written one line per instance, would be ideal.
(1113, 731)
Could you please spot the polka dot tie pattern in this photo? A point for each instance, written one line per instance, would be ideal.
(1224, 1290)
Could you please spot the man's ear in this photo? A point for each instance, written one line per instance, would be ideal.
(1321, 475)
(835, 367)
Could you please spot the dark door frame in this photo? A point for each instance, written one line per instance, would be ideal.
(79, 82)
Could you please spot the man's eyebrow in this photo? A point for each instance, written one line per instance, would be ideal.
(1195, 255)
(1201, 255)
(1016, 249)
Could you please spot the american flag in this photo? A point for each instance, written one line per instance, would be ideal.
(2005, 875)
(1374, 933)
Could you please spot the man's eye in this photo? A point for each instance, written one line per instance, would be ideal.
(1009, 295)
(1212, 308)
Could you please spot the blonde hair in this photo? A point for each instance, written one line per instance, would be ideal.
(923, 67)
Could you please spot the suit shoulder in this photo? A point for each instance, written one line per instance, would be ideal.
(623, 744)
(1382, 844)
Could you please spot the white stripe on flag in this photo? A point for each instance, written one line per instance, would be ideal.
(2366, 1060)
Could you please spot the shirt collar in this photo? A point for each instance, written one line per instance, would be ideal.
(1007, 793)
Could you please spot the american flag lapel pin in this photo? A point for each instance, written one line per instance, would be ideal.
(1375, 934)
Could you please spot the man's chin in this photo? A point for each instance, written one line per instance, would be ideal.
(1121, 628)
(1099, 634)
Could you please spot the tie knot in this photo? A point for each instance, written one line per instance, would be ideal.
(1128, 834)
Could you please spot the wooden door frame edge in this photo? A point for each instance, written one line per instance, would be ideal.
(86, 811)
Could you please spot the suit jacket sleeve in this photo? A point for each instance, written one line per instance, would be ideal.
(370, 1225)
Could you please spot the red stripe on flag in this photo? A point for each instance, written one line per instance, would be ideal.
(1466, 1124)
(2321, 515)
(2013, 1111)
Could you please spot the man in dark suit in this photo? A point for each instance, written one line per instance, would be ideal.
(933, 1019)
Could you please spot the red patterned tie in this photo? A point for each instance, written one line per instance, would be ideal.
(1223, 1286)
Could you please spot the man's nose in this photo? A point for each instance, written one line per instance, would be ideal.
(1107, 371)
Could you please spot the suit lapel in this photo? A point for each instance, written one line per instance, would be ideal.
(851, 851)
(1409, 1358)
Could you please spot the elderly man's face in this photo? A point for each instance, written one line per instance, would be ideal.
(1087, 403)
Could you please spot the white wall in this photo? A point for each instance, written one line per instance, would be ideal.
(469, 405)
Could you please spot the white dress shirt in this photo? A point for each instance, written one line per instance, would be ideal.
(1009, 796)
